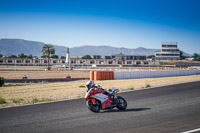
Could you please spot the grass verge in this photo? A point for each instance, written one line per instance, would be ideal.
(2, 100)
(36, 100)
(17, 100)
(147, 85)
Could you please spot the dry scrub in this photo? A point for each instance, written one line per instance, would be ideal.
(69, 90)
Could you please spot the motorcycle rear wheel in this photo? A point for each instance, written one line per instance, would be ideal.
(93, 107)
(122, 104)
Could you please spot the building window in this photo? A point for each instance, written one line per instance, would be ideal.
(27, 61)
(19, 61)
(128, 62)
(36, 61)
(129, 57)
(138, 62)
(91, 62)
(136, 58)
(1, 61)
(73, 62)
(109, 57)
(45, 61)
(166, 50)
(54, 61)
(169, 46)
(101, 62)
(9, 61)
(96, 57)
(110, 62)
(83, 62)
(63, 61)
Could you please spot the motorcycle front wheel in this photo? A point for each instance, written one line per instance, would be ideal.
(122, 104)
(93, 107)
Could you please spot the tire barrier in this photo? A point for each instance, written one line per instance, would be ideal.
(101, 75)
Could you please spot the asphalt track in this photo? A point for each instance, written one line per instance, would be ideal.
(170, 109)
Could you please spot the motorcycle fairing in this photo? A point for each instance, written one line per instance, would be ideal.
(104, 99)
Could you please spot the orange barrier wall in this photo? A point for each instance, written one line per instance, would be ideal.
(91, 75)
(101, 75)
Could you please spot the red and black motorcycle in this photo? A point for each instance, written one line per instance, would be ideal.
(100, 99)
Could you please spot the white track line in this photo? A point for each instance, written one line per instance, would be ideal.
(192, 131)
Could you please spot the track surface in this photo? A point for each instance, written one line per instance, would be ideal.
(170, 109)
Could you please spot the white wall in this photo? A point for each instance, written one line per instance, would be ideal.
(131, 74)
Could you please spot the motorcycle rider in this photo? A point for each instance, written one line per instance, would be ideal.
(90, 85)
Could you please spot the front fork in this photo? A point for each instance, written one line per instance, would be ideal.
(114, 99)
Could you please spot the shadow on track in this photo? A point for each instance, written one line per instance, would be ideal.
(127, 110)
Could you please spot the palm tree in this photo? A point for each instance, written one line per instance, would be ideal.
(47, 50)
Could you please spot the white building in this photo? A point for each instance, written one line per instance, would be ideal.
(135, 60)
(114, 60)
(169, 51)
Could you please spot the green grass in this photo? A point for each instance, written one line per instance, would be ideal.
(36, 100)
(78, 96)
(2, 100)
(81, 86)
(17, 100)
(46, 100)
(147, 85)
(132, 88)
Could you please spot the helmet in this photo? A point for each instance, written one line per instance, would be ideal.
(89, 84)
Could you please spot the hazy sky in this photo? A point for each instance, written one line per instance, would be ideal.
(118, 23)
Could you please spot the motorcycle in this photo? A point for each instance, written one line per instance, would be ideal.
(97, 100)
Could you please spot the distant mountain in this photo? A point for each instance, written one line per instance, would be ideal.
(107, 50)
(17, 46)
